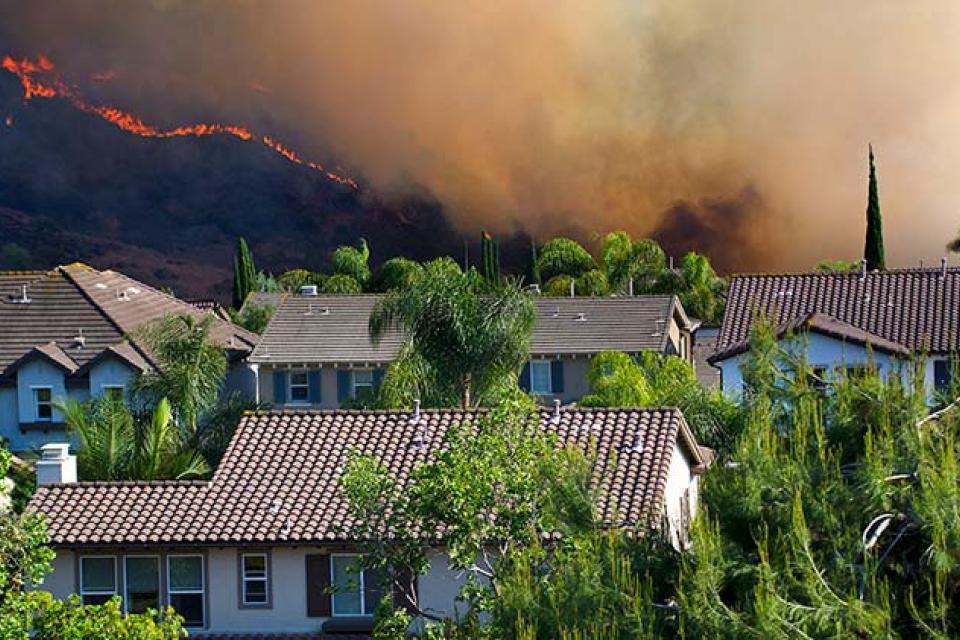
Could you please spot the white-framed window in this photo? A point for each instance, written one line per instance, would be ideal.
(141, 579)
(299, 387)
(356, 591)
(254, 578)
(540, 377)
(113, 391)
(185, 587)
(43, 404)
(98, 579)
(362, 383)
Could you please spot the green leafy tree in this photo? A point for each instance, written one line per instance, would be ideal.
(466, 345)
(564, 257)
(353, 262)
(266, 282)
(625, 261)
(340, 283)
(117, 445)
(837, 266)
(191, 366)
(490, 259)
(697, 285)
(293, 279)
(395, 273)
(253, 317)
(244, 274)
(873, 246)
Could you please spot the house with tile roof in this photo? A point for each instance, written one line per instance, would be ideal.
(316, 351)
(68, 332)
(848, 321)
(255, 548)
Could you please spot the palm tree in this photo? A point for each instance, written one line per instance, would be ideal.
(697, 285)
(116, 445)
(190, 366)
(466, 341)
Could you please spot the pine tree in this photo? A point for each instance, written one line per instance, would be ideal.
(244, 274)
(873, 247)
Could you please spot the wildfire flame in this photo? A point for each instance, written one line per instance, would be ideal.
(54, 87)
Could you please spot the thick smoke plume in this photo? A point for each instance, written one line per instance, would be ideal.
(736, 126)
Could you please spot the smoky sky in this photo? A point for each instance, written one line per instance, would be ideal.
(739, 127)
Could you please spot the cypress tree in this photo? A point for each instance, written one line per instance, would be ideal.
(244, 274)
(489, 258)
(873, 247)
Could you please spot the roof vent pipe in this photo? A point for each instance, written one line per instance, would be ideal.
(863, 268)
(556, 411)
(943, 267)
(630, 287)
(415, 419)
(573, 287)
(24, 298)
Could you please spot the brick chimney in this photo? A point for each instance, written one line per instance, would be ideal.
(56, 465)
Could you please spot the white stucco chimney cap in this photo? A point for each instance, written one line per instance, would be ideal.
(55, 451)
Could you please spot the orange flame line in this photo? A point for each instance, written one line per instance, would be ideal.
(27, 71)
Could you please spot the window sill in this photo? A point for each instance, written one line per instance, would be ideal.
(26, 427)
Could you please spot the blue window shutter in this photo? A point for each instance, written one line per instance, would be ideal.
(377, 379)
(343, 385)
(314, 381)
(279, 387)
(556, 376)
(525, 377)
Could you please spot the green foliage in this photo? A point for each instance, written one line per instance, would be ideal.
(292, 280)
(341, 284)
(353, 262)
(266, 282)
(116, 445)
(873, 245)
(837, 266)
(13, 256)
(37, 616)
(624, 260)
(244, 273)
(191, 365)
(253, 317)
(395, 273)
(656, 380)
(697, 285)
(563, 256)
(954, 245)
(466, 345)
(490, 260)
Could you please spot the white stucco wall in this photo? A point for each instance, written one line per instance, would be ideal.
(820, 351)
(679, 479)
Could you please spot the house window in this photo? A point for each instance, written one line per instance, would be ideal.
(185, 582)
(356, 591)
(113, 391)
(142, 580)
(254, 576)
(540, 379)
(363, 384)
(942, 377)
(299, 387)
(43, 403)
(98, 579)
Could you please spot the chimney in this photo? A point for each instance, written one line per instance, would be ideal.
(308, 290)
(56, 465)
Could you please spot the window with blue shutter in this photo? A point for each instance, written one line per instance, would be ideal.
(525, 377)
(343, 385)
(556, 376)
(377, 379)
(314, 384)
(942, 376)
(279, 387)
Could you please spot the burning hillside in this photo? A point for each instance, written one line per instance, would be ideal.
(38, 80)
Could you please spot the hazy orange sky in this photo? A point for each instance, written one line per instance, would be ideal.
(754, 115)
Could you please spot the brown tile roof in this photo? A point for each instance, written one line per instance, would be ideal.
(333, 328)
(102, 306)
(914, 309)
(279, 480)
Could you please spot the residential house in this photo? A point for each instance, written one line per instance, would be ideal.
(316, 351)
(255, 548)
(69, 332)
(848, 320)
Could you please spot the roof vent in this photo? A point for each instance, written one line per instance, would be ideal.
(581, 317)
(556, 312)
(325, 311)
(415, 418)
(573, 288)
(943, 267)
(308, 290)
(122, 294)
(534, 289)
(79, 341)
(24, 296)
(863, 268)
(630, 287)
(556, 411)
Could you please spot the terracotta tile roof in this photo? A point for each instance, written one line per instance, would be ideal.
(333, 328)
(279, 480)
(914, 309)
(102, 306)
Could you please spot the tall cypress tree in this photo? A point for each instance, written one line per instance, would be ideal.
(244, 274)
(873, 247)
(489, 258)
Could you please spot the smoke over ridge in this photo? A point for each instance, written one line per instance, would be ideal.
(736, 126)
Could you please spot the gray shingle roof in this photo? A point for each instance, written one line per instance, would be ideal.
(102, 306)
(333, 328)
(279, 480)
(915, 309)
